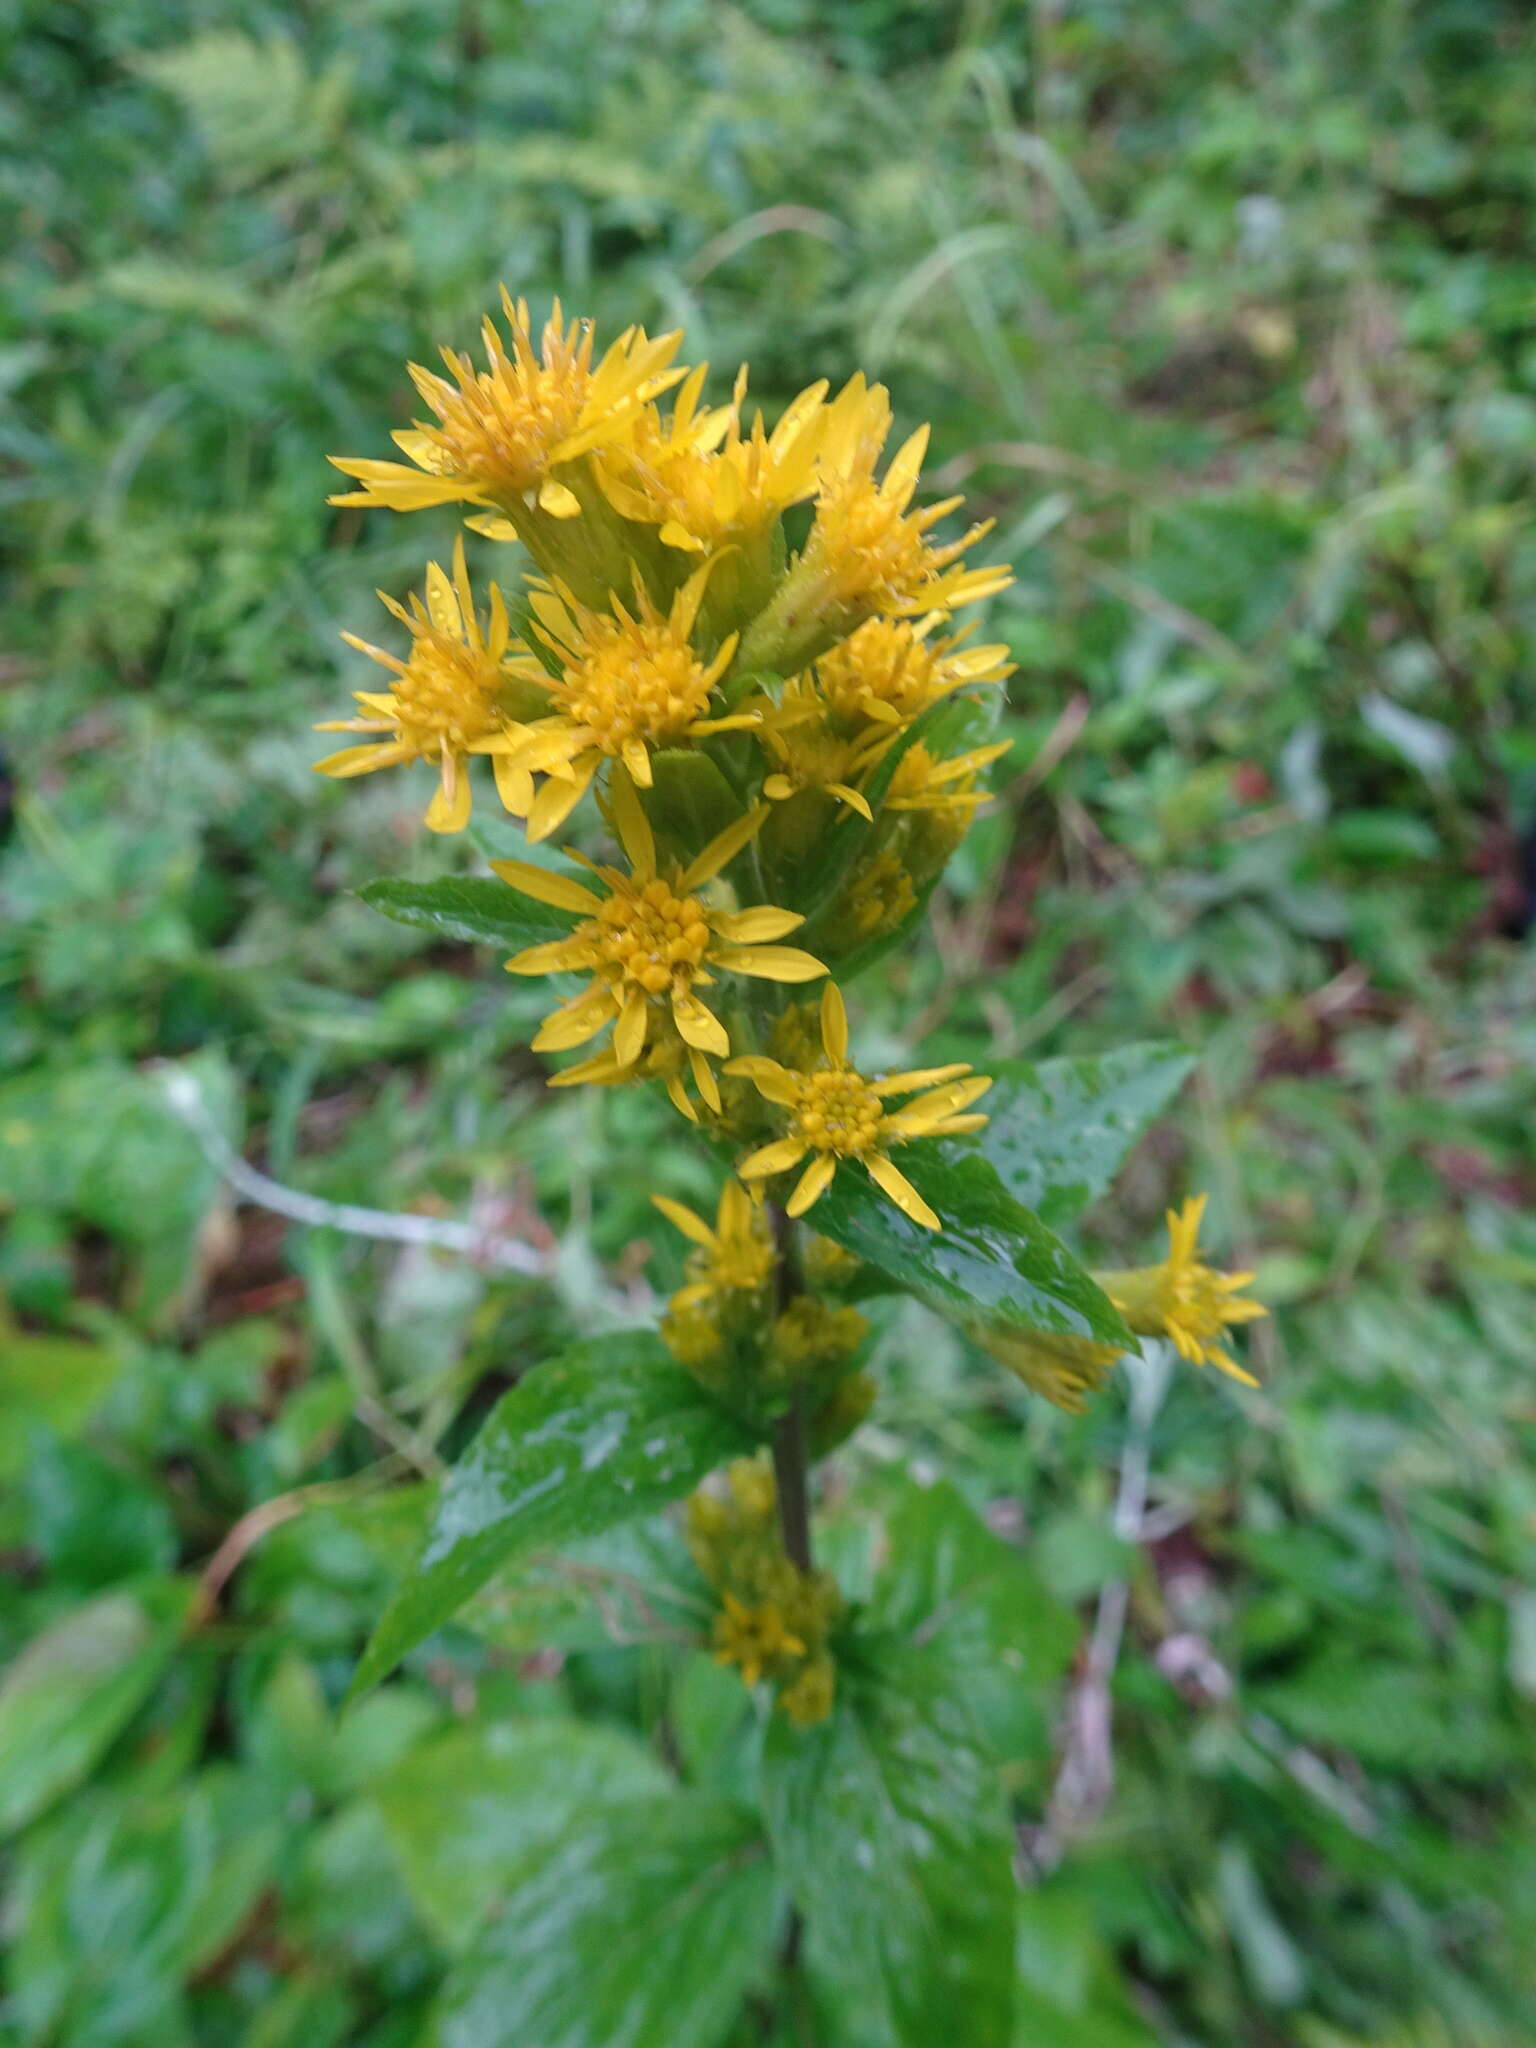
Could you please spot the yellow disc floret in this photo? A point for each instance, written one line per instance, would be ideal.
(630, 682)
(651, 943)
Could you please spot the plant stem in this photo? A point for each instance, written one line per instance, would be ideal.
(789, 1462)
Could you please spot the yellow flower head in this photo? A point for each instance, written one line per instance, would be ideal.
(1066, 1370)
(501, 431)
(1184, 1300)
(835, 1113)
(808, 754)
(631, 682)
(867, 549)
(701, 480)
(736, 1257)
(923, 782)
(755, 1639)
(890, 673)
(448, 699)
(649, 945)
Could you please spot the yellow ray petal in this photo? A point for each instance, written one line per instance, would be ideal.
(514, 786)
(574, 1023)
(629, 1032)
(813, 1182)
(834, 1022)
(704, 1078)
(699, 1026)
(555, 803)
(450, 805)
(773, 1082)
(769, 963)
(754, 927)
(560, 892)
(684, 1220)
(363, 760)
(722, 849)
(557, 956)
(852, 797)
(633, 827)
(919, 1077)
(777, 1157)
(893, 1182)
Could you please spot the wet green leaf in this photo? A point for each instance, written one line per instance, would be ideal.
(889, 1825)
(473, 907)
(638, 1927)
(948, 1580)
(1057, 1130)
(467, 1812)
(610, 1431)
(994, 1260)
(73, 1689)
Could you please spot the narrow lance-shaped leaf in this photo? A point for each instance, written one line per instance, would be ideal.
(473, 907)
(610, 1431)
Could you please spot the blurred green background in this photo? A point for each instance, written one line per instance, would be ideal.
(1227, 314)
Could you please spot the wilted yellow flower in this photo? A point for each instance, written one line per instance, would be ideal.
(450, 698)
(736, 1257)
(650, 942)
(835, 1114)
(703, 482)
(923, 782)
(500, 432)
(889, 672)
(631, 682)
(1184, 1300)
(1066, 1370)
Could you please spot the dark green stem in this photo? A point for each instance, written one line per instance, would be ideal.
(789, 1458)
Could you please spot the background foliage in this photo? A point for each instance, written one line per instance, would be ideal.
(1226, 314)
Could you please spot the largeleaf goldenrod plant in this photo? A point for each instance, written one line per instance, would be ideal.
(746, 647)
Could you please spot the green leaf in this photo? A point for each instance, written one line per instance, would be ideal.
(889, 1826)
(639, 1926)
(466, 1812)
(981, 1606)
(1057, 1130)
(474, 907)
(948, 1580)
(49, 1383)
(607, 1433)
(73, 1689)
(162, 1884)
(994, 1261)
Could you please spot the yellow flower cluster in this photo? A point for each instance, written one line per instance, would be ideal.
(725, 1326)
(1182, 1299)
(774, 1621)
(760, 724)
